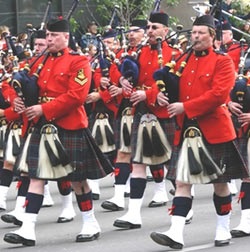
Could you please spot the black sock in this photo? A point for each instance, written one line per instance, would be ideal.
(223, 205)
(84, 201)
(137, 187)
(181, 206)
(33, 202)
(6, 177)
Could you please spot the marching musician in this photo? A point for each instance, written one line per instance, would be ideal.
(89, 37)
(227, 44)
(203, 154)
(243, 117)
(143, 99)
(136, 38)
(101, 106)
(240, 113)
(4, 30)
(60, 126)
(67, 214)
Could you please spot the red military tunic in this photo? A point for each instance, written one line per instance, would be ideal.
(148, 62)
(65, 82)
(107, 99)
(204, 91)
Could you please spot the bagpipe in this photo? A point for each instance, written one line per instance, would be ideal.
(72, 43)
(129, 69)
(25, 85)
(102, 130)
(241, 90)
(167, 79)
(45, 16)
(152, 146)
(195, 164)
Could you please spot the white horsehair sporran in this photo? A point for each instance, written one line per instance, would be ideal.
(149, 128)
(103, 133)
(22, 163)
(195, 164)
(125, 132)
(47, 149)
(13, 142)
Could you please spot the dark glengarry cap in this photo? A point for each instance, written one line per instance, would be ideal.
(142, 23)
(109, 33)
(41, 34)
(58, 25)
(225, 26)
(206, 20)
(159, 17)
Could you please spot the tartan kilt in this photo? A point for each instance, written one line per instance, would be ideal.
(224, 153)
(242, 142)
(168, 125)
(86, 158)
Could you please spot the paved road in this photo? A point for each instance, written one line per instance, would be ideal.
(199, 235)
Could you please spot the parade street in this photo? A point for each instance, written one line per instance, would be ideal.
(198, 236)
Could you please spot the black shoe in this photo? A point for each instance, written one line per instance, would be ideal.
(172, 191)
(188, 221)
(165, 240)
(86, 237)
(17, 239)
(238, 233)
(64, 219)
(157, 204)
(95, 196)
(108, 205)
(126, 224)
(126, 195)
(2, 209)
(9, 218)
(47, 205)
(221, 243)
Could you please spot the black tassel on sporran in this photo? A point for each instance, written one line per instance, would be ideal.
(54, 160)
(63, 156)
(147, 144)
(194, 166)
(15, 147)
(98, 135)
(109, 135)
(126, 135)
(158, 147)
(208, 165)
(1, 139)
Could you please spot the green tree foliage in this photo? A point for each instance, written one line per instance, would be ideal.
(126, 10)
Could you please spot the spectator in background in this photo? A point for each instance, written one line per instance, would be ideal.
(89, 37)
